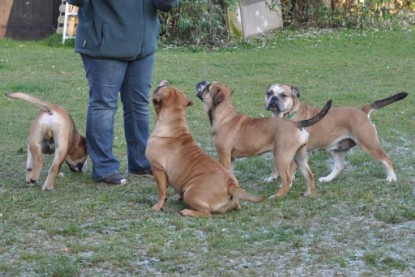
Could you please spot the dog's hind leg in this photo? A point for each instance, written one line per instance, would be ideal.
(338, 166)
(34, 164)
(282, 161)
(368, 140)
(54, 169)
(293, 169)
(286, 183)
(375, 150)
(302, 163)
(274, 175)
(231, 205)
(198, 202)
(196, 213)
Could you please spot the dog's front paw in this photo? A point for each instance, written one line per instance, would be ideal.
(158, 206)
(271, 178)
(47, 187)
(308, 194)
(274, 196)
(391, 178)
(325, 179)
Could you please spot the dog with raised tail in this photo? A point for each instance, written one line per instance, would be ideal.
(52, 132)
(340, 130)
(237, 135)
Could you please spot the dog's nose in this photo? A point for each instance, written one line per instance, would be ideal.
(80, 167)
(272, 103)
(200, 87)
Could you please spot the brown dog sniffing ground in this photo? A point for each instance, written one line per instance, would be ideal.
(52, 132)
(177, 161)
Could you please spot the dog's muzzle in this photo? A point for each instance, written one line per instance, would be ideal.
(200, 88)
(273, 103)
(80, 167)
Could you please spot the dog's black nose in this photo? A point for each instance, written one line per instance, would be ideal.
(79, 167)
(200, 87)
(272, 103)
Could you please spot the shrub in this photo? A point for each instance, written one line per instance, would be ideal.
(204, 22)
(197, 22)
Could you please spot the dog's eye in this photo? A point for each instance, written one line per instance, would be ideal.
(283, 95)
(269, 93)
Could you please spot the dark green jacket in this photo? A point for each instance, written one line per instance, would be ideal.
(119, 29)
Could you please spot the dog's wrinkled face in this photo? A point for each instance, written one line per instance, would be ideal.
(279, 98)
(165, 96)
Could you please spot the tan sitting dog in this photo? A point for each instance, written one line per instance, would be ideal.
(237, 135)
(178, 161)
(339, 131)
(53, 132)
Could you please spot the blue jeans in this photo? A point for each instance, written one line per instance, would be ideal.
(107, 78)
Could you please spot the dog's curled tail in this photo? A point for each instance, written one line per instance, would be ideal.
(240, 193)
(384, 102)
(44, 106)
(316, 118)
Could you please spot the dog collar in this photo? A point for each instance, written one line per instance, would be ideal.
(291, 116)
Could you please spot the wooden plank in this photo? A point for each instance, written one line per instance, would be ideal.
(28, 19)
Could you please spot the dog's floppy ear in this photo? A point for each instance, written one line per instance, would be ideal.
(218, 95)
(158, 98)
(295, 91)
(218, 98)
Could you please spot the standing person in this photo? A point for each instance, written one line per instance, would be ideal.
(117, 41)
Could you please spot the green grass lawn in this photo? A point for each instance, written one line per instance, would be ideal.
(357, 225)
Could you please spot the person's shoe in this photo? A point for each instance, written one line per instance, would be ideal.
(114, 180)
(145, 173)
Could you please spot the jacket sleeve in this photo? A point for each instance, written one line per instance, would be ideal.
(165, 5)
(78, 3)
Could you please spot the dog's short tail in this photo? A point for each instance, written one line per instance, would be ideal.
(241, 194)
(384, 102)
(45, 106)
(316, 118)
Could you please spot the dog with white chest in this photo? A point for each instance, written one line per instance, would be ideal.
(340, 130)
